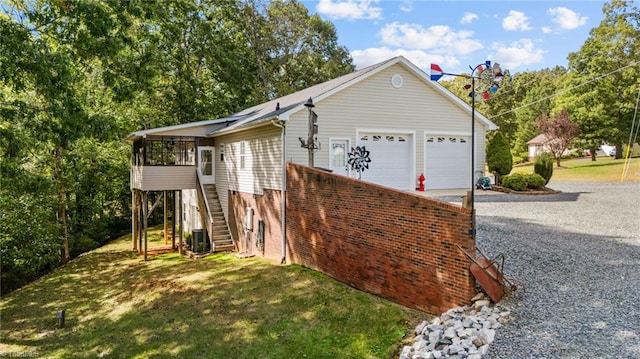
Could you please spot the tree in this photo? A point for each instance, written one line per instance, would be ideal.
(292, 50)
(77, 76)
(560, 132)
(544, 166)
(603, 78)
(499, 159)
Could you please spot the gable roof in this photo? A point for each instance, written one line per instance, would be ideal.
(281, 108)
(540, 139)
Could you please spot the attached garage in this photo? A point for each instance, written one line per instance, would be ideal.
(447, 161)
(392, 159)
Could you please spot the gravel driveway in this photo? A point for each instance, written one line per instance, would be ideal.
(577, 254)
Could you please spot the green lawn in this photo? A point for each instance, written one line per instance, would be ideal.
(217, 307)
(604, 169)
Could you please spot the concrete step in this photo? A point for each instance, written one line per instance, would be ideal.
(224, 248)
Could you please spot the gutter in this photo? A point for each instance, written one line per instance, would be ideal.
(283, 217)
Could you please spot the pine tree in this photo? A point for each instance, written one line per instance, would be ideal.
(499, 158)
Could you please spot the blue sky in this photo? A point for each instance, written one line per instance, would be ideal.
(520, 35)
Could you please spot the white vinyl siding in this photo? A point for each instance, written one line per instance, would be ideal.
(191, 218)
(160, 178)
(262, 162)
(374, 102)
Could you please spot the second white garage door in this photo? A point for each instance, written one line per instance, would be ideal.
(447, 161)
(391, 159)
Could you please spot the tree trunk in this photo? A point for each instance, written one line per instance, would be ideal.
(62, 217)
(62, 202)
(593, 154)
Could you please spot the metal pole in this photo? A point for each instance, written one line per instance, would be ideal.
(473, 152)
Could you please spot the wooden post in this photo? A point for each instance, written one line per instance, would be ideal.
(134, 220)
(466, 200)
(140, 221)
(181, 225)
(166, 217)
(173, 222)
(145, 210)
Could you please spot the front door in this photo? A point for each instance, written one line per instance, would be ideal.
(206, 167)
(338, 151)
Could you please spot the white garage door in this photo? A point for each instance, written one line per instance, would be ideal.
(391, 159)
(447, 161)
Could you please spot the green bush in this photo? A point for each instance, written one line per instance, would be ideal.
(499, 159)
(544, 166)
(535, 181)
(519, 160)
(521, 181)
(516, 181)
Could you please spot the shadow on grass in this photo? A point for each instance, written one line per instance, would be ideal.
(218, 307)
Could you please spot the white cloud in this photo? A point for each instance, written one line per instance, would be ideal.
(350, 9)
(370, 56)
(439, 38)
(567, 19)
(546, 30)
(406, 5)
(516, 21)
(468, 17)
(518, 53)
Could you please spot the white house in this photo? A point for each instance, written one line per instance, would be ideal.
(409, 124)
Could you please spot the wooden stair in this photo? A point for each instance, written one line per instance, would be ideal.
(220, 236)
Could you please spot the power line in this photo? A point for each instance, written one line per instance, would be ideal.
(567, 90)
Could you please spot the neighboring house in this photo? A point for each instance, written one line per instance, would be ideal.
(540, 144)
(233, 170)
(537, 145)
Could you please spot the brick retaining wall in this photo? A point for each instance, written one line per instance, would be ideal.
(397, 245)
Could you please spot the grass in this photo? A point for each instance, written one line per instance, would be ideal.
(604, 169)
(119, 306)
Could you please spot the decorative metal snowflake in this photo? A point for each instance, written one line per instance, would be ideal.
(359, 159)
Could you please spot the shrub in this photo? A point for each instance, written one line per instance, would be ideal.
(499, 159)
(516, 181)
(520, 181)
(544, 166)
(535, 181)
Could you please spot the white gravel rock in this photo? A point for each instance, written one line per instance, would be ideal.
(576, 257)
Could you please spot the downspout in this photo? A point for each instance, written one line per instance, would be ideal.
(283, 220)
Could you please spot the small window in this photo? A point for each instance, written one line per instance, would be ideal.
(440, 139)
(390, 138)
(453, 139)
(377, 138)
(430, 139)
(401, 139)
(364, 138)
(463, 140)
(243, 154)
